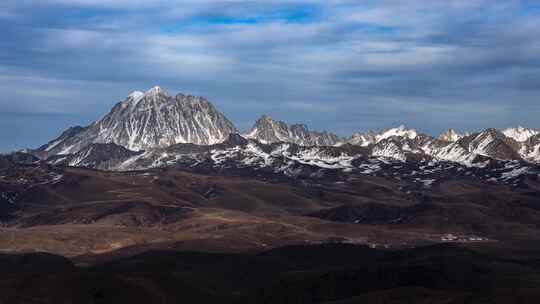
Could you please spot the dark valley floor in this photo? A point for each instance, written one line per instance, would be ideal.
(331, 273)
(174, 236)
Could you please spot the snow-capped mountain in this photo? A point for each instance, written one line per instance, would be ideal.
(399, 142)
(530, 149)
(267, 130)
(520, 134)
(362, 139)
(450, 146)
(372, 138)
(149, 120)
(491, 143)
(238, 155)
(401, 147)
(96, 156)
(474, 148)
(450, 136)
(153, 129)
(396, 143)
(400, 132)
(66, 139)
(509, 144)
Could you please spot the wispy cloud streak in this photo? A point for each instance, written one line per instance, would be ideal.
(340, 65)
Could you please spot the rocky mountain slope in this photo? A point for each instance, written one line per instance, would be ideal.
(153, 129)
(244, 197)
(267, 130)
(450, 136)
(173, 174)
(148, 120)
(240, 156)
(520, 133)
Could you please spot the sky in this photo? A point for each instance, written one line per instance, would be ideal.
(337, 65)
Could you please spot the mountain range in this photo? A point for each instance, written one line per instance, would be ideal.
(163, 200)
(153, 130)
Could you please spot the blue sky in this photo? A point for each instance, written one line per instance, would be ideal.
(337, 65)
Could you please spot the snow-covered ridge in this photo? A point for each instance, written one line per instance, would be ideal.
(520, 133)
(400, 131)
(154, 120)
(135, 96)
(451, 136)
(362, 139)
(285, 159)
(268, 130)
(150, 120)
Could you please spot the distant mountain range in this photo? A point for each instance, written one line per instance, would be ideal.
(173, 173)
(154, 129)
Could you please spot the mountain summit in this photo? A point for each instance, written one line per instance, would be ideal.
(148, 120)
(520, 133)
(268, 130)
(450, 136)
(154, 120)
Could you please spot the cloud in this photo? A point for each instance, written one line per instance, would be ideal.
(339, 65)
(310, 107)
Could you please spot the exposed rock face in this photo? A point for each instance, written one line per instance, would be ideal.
(491, 143)
(149, 120)
(363, 139)
(267, 130)
(530, 149)
(155, 120)
(96, 156)
(392, 157)
(372, 138)
(398, 147)
(67, 139)
(450, 146)
(450, 136)
(520, 134)
(399, 132)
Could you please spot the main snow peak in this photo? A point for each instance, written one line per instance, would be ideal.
(151, 120)
(156, 91)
